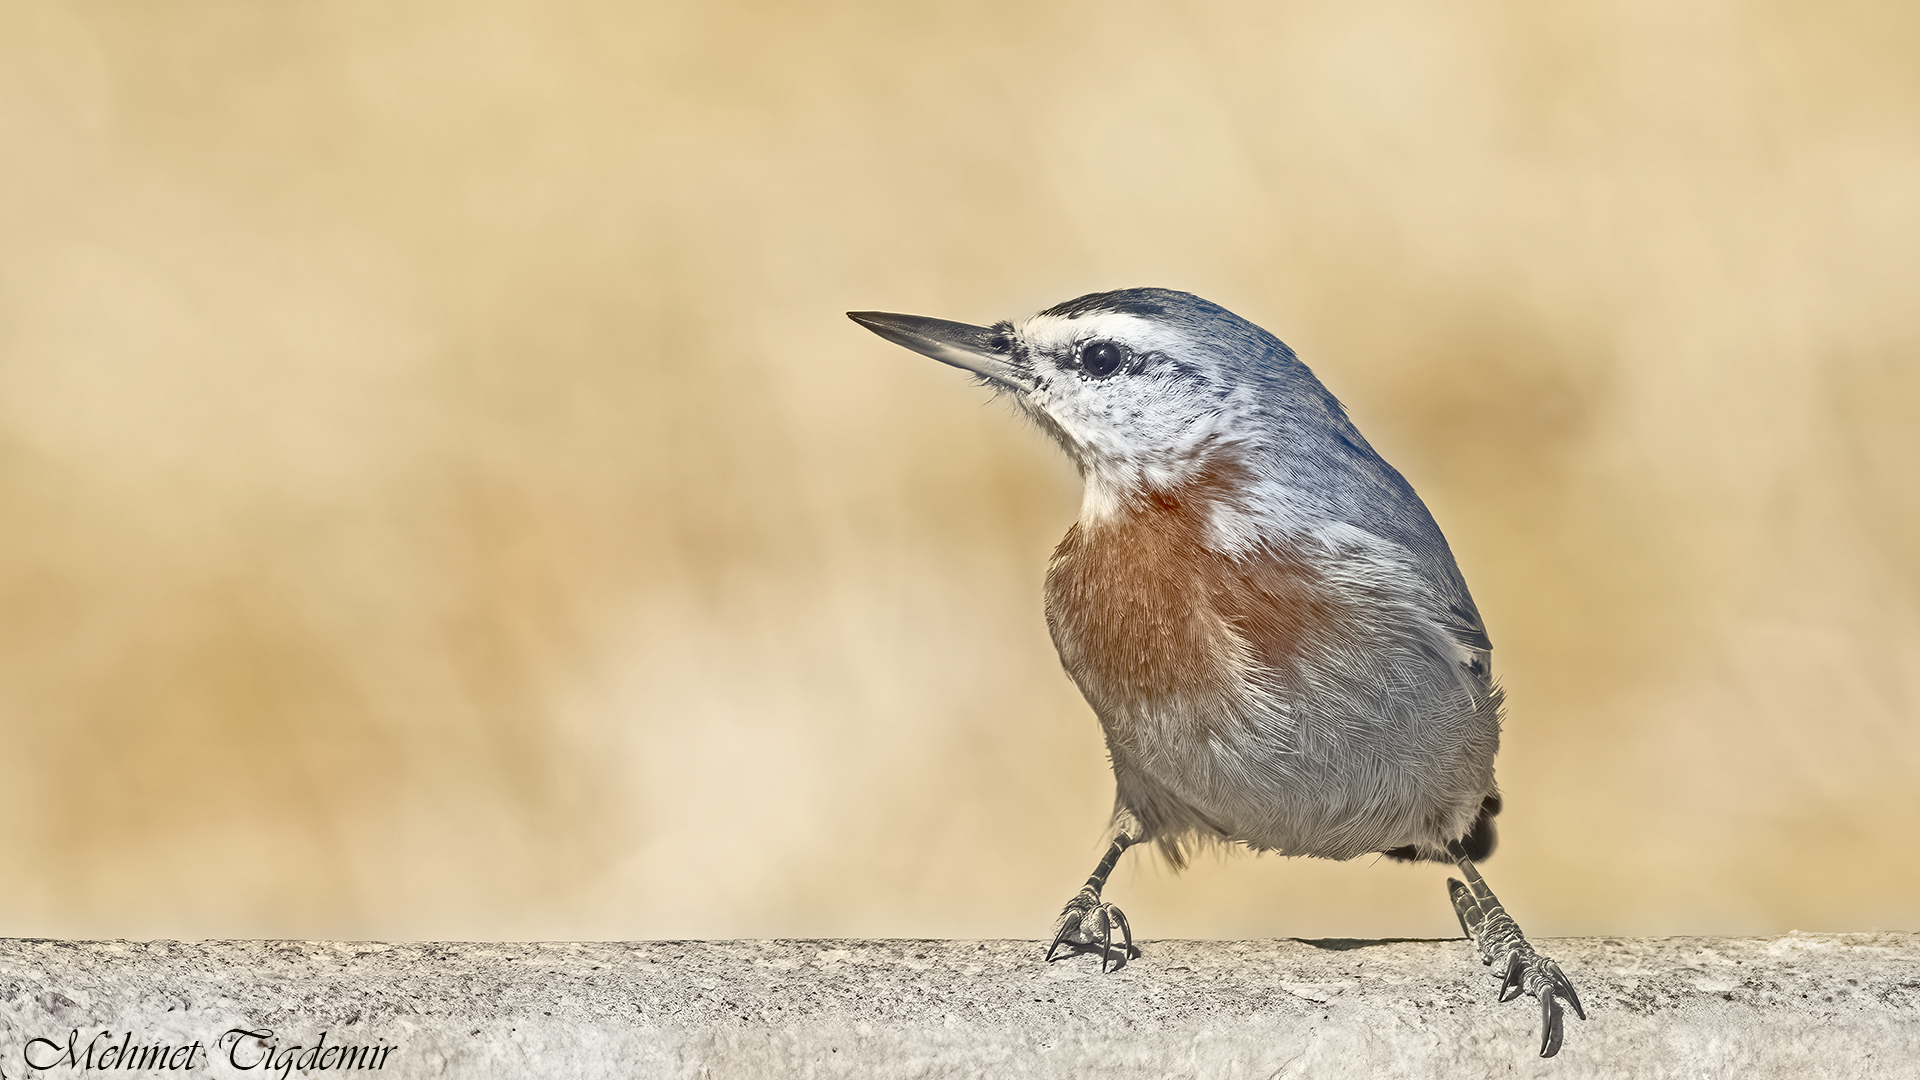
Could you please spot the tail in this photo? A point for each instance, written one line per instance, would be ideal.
(1478, 843)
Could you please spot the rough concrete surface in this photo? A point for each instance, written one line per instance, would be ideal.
(1795, 1006)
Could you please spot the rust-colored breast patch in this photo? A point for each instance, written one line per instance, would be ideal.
(1146, 616)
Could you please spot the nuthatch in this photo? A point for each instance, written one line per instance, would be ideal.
(1261, 612)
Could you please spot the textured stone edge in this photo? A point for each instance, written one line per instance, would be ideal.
(1801, 1004)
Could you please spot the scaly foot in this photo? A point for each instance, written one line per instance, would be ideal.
(1498, 938)
(1087, 924)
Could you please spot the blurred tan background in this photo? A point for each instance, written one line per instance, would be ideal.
(440, 495)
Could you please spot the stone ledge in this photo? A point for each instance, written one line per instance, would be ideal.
(1793, 1006)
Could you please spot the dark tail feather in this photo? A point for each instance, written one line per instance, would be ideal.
(1478, 843)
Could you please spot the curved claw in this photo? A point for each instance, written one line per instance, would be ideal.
(1072, 923)
(1564, 987)
(1552, 1025)
(1514, 980)
(1114, 915)
(1105, 940)
(1058, 940)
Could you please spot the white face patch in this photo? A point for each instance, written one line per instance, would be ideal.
(1149, 424)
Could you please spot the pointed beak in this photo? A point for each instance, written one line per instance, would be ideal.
(982, 350)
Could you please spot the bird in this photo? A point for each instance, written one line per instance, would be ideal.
(1263, 615)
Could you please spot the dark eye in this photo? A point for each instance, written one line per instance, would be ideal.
(1102, 358)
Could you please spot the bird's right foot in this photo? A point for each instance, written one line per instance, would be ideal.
(1087, 925)
(1498, 939)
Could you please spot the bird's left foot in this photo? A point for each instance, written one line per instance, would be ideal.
(1087, 925)
(1499, 940)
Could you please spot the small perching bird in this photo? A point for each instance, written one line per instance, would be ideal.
(1260, 610)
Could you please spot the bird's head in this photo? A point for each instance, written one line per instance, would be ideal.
(1146, 389)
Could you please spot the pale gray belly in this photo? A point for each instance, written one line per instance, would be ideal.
(1337, 777)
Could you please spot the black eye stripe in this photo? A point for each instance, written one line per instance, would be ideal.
(1100, 359)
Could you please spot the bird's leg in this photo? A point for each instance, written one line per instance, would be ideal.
(1087, 923)
(1499, 939)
